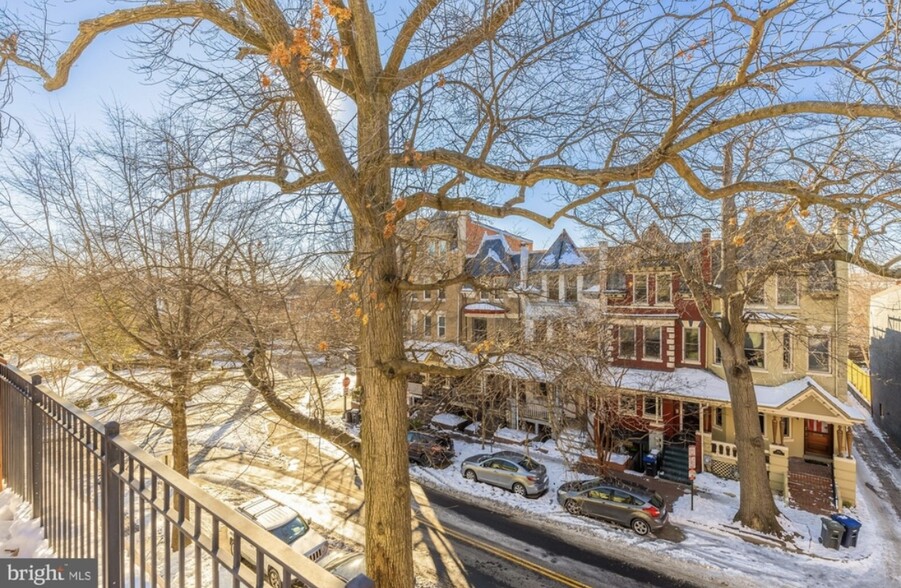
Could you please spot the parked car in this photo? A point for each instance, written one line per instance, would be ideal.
(287, 525)
(346, 566)
(508, 469)
(429, 449)
(631, 505)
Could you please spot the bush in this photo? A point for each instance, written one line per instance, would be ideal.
(84, 403)
(105, 399)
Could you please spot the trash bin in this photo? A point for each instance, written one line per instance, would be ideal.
(831, 533)
(650, 464)
(352, 416)
(851, 529)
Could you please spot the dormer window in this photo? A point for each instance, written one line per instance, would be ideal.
(553, 287)
(787, 290)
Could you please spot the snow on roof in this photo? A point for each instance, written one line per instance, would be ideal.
(483, 307)
(447, 419)
(563, 253)
(493, 256)
(757, 315)
(701, 384)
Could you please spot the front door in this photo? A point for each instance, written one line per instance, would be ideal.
(817, 438)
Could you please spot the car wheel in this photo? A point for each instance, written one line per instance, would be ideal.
(519, 489)
(470, 475)
(572, 507)
(640, 527)
(273, 577)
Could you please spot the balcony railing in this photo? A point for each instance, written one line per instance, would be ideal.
(100, 496)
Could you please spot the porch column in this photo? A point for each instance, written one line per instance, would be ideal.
(849, 439)
(776, 431)
(839, 440)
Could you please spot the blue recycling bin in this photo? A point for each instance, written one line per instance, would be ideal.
(650, 465)
(852, 529)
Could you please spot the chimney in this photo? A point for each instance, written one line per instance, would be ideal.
(706, 264)
(523, 264)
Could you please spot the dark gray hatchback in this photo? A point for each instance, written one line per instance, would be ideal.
(630, 505)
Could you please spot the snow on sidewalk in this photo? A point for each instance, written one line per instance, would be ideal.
(20, 535)
(713, 542)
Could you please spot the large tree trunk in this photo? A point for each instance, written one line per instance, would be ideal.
(389, 545)
(757, 509)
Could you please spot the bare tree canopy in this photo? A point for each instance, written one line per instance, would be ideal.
(503, 108)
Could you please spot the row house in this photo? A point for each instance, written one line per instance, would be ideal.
(664, 364)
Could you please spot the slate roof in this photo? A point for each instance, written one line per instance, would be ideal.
(562, 254)
(493, 258)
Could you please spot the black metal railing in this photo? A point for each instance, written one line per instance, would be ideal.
(98, 495)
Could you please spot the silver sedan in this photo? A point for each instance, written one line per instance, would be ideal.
(507, 469)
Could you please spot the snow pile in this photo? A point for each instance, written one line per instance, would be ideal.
(448, 420)
(20, 535)
(513, 435)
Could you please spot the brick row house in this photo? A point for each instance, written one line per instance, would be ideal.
(664, 365)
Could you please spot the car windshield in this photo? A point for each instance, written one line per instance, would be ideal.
(657, 501)
(529, 465)
(291, 531)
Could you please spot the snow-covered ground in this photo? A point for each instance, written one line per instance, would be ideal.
(711, 540)
(20, 535)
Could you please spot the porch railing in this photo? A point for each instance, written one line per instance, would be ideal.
(100, 496)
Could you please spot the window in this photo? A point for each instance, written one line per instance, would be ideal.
(652, 342)
(640, 289)
(483, 295)
(786, 427)
(553, 287)
(818, 353)
(718, 418)
(600, 494)
(664, 288)
(616, 281)
(762, 421)
(627, 405)
(788, 363)
(427, 294)
(427, 325)
(627, 342)
(571, 283)
(442, 326)
(442, 247)
(622, 497)
(651, 407)
(787, 290)
(442, 295)
(717, 354)
(479, 329)
(756, 297)
(755, 351)
(691, 344)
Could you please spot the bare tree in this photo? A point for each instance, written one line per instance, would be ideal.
(511, 96)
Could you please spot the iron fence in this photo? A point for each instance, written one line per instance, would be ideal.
(98, 495)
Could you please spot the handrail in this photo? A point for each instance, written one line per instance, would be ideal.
(860, 379)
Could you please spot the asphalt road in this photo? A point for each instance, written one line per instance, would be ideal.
(502, 536)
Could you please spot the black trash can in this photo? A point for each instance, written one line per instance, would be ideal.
(851, 529)
(831, 533)
(650, 464)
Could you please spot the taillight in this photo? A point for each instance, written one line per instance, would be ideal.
(532, 478)
(652, 510)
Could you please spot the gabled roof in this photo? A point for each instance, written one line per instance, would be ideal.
(494, 257)
(561, 255)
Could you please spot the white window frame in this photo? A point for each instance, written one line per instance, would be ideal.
(442, 326)
(442, 294)
(644, 345)
(625, 411)
(619, 343)
(761, 368)
(788, 348)
(635, 279)
(829, 361)
(427, 325)
(797, 301)
(658, 407)
(668, 280)
(684, 333)
(786, 421)
(426, 294)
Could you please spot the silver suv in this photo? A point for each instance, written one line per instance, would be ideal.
(630, 505)
(508, 469)
(285, 524)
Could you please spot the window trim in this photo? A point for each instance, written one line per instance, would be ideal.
(624, 411)
(669, 288)
(658, 408)
(797, 302)
(644, 345)
(685, 359)
(718, 417)
(619, 343)
(761, 420)
(788, 435)
(829, 362)
(762, 366)
(427, 325)
(441, 326)
(426, 294)
(788, 352)
(635, 279)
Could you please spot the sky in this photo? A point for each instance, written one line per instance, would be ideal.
(102, 76)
